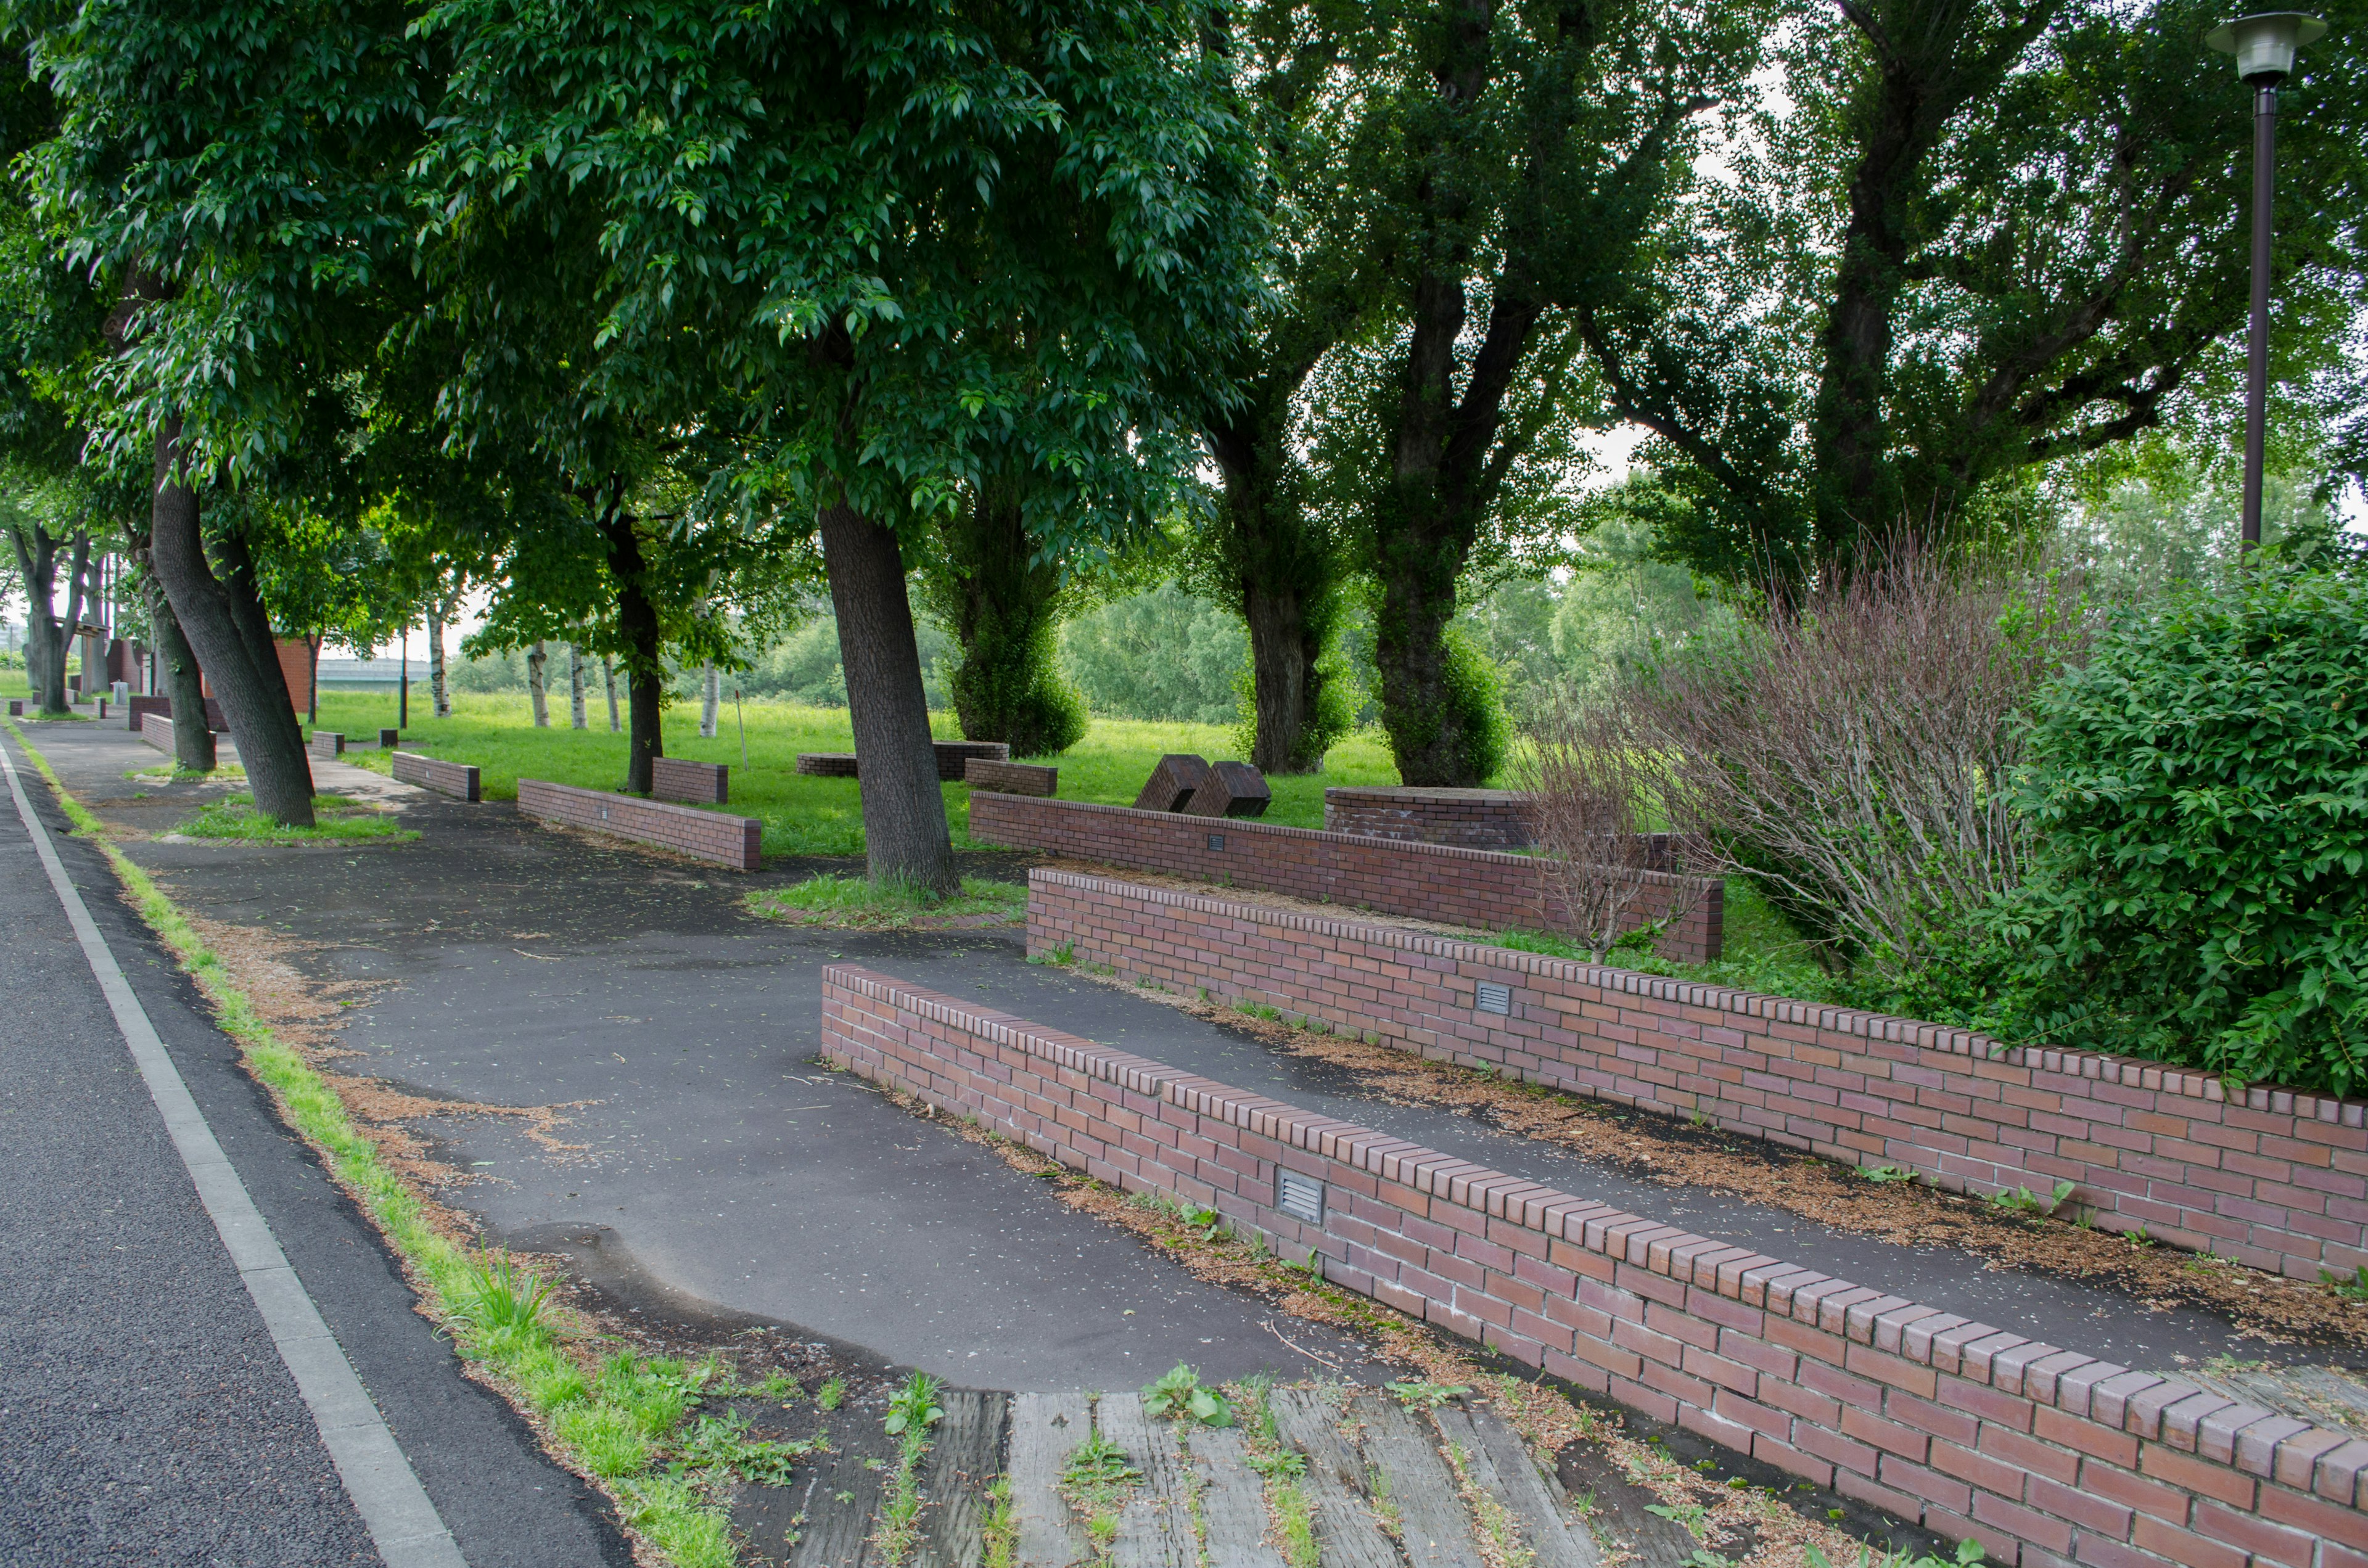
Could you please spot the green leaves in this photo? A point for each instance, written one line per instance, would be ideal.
(1179, 1396)
(2200, 792)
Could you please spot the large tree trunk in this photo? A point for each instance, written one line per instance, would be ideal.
(637, 625)
(45, 664)
(537, 698)
(1285, 685)
(193, 738)
(213, 616)
(78, 591)
(904, 832)
(1427, 727)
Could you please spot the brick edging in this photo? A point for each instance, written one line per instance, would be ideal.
(706, 835)
(1965, 1427)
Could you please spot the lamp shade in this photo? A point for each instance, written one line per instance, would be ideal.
(2264, 44)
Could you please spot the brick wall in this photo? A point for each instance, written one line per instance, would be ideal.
(700, 783)
(455, 778)
(326, 743)
(686, 830)
(2280, 1182)
(1477, 819)
(156, 729)
(141, 706)
(1484, 889)
(2049, 1456)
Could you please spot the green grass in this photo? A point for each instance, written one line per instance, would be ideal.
(852, 902)
(228, 773)
(496, 1314)
(803, 815)
(336, 821)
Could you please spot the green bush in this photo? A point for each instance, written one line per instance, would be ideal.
(1476, 693)
(2198, 791)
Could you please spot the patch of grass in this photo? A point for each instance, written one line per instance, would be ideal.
(1096, 1482)
(616, 1425)
(1002, 1530)
(228, 773)
(855, 903)
(336, 821)
(912, 1410)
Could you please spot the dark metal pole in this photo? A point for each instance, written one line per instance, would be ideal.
(2257, 357)
(402, 701)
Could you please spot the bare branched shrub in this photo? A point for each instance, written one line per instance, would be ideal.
(1593, 780)
(1851, 750)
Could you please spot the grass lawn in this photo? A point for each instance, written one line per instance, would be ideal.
(803, 815)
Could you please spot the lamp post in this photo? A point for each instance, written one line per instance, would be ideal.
(2264, 45)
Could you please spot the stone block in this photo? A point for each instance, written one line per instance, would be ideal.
(1173, 782)
(1012, 777)
(1231, 790)
(389, 739)
(699, 783)
(827, 764)
(326, 742)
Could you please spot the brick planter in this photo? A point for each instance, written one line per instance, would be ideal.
(700, 783)
(455, 778)
(2047, 1455)
(1482, 889)
(2280, 1182)
(705, 835)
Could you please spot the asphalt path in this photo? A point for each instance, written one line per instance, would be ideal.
(146, 1413)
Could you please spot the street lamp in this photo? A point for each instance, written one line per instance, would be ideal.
(2264, 46)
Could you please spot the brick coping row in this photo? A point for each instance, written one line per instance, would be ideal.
(2249, 1438)
(2103, 1066)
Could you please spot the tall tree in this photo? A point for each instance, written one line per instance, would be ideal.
(846, 211)
(1965, 239)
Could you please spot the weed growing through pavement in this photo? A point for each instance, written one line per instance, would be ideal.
(1002, 1529)
(2355, 1288)
(832, 1393)
(1886, 1174)
(912, 1410)
(1970, 1554)
(887, 906)
(608, 1424)
(1498, 1538)
(1095, 1484)
(1419, 1394)
(336, 821)
(2022, 1201)
(1291, 1515)
(1179, 1395)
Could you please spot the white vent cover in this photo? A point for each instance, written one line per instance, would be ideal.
(1494, 998)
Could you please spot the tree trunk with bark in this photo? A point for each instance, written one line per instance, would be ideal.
(437, 691)
(575, 686)
(77, 592)
(904, 832)
(215, 617)
(710, 695)
(637, 625)
(193, 738)
(609, 677)
(536, 658)
(45, 664)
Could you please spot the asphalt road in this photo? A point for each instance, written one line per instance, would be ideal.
(145, 1413)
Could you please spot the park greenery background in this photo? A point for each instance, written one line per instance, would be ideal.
(1125, 377)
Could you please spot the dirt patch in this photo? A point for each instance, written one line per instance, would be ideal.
(2264, 1306)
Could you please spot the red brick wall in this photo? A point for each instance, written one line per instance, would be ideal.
(155, 729)
(1478, 887)
(2048, 1455)
(700, 783)
(707, 835)
(2280, 1182)
(455, 778)
(1477, 819)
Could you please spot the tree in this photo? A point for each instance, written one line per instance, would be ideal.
(819, 228)
(227, 172)
(1530, 157)
(2009, 235)
(1004, 604)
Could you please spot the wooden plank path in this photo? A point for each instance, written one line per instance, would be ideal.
(1381, 1483)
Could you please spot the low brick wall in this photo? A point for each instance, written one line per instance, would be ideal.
(158, 731)
(1477, 819)
(2280, 1182)
(140, 708)
(686, 830)
(326, 743)
(457, 780)
(1012, 777)
(2047, 1455)
(700, 783)
(1483, 888)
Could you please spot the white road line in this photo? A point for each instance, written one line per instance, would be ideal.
(402, 1521)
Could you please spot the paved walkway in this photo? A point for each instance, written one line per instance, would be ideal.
(148, 1413)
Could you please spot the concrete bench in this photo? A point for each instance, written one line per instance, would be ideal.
(1012, 777)
(700, 783)
(326, 743)
(705, 835)
(457, 780)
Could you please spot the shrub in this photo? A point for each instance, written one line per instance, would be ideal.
(2199, 792)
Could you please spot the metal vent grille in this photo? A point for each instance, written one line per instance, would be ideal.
(1494, 998)
(1301, 1196)
(1216, 841)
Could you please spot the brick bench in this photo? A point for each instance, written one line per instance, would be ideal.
(326, 743)
(1012, 777)
(2046, 1454)
(700, 783)
(953, 758)
(705, 835)
(457, 780)
(157, 732)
